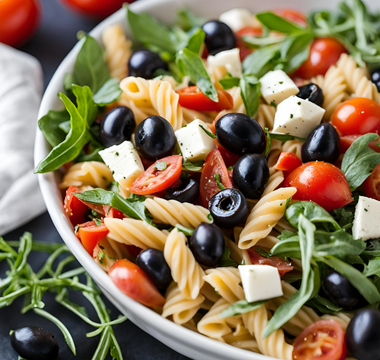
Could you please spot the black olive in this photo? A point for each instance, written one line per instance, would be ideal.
(155, 138)
(240, 134)
(117, 126)
(375, 77)
(144, 63)
(219, 37)
(228, 208)
(322, 144)
(33, 343)
(363, 335)
(312, 92)
(153, 263)
(341, 292)
(251, 174)
(207, 244)
(187, 191)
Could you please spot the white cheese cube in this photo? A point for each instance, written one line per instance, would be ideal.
(367, 219)
(195, 144)
(276, 86)
(230, 59)
(237, 19)
(297, 117)
(124, 162)
(260, 282)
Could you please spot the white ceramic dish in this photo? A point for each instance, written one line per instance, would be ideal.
(184, 341)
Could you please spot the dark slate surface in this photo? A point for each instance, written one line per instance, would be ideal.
(54, 39)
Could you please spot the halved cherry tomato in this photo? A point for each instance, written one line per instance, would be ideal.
(288, 161)
(112, 212)
(229, 157)
(357, 116)
(347, 140)
(208, 186)
(324, 52)
(192, 98)
(133, 281)
(323, 340)
(74, 208)
(322, 183)
(90, 234)
(240, 43)
(280, 263)
(292, 15)
(152, 180)
(372, 184)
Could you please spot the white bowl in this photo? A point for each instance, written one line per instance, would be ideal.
(184, 341)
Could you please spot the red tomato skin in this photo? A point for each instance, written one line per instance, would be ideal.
(320, 182)
(246, 31)
(208, 187)
(90, 234)
(292, 15)
(153, 181)
(192, 98)
(310, 335)
(133, 282)
(280, 263)
(357, 116)
(347, 140)
(288, 161)
(230, 159)
(112, 212)
(324, 52)
(74, 208)
(19, 20)
(372, 184)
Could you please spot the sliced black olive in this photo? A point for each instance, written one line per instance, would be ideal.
(375, 77)
(228, 208)
(240, 134)
(117, 126)
(144, 63)
(322, 144)
(341, 292)
(153, 263)
(219, 37)
(251, 174)
(363, 335)
(207, 244)
(155, 138)
(34, 343)
(312, 92)
(187, 191)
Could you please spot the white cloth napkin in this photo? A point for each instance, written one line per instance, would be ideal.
(21, 88)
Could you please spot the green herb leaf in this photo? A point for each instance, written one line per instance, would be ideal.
(323, 305)
(229, 82)
(359, 161)
(269, 142)
(219, 182)
(250, 93)
(373, 267)
(65, 127)
(161, 165)
(283, 138)
(192, 166)
(209, 133)
(108, 93)
(50, 126)
(188, 20)
(277, 23)
(196, 41)
(185, 230)
(262, 60)
(226, 260)
(98, 222)
(263, 252)
(241, 307)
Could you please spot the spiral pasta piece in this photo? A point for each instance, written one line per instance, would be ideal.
(89, 173)
(186, 272)
(264, 216)
(265, 116)
(182, 309)
(174, 212)
(238, 104)
(135, 232)
(275, 179)
(118, 50)
(294, 146)
(242, 339)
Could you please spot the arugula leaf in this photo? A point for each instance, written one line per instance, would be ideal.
(277, 23)
(65, 127)
(373, 267)
(269, 142)
(373, 248)
(108, 93)
(49, 125)
(133, 206)
(196, 41)
(344, 215)
(229, 82)
(226, 261)
(85, 103)
(241, 307)
(250, 93)
(323, 305)
(188, 20)
(359, 160)
(289, 247)
(219, 182)
(284, 137)
(185, 230)
(209, 133)
(192, 166)
(190, 64)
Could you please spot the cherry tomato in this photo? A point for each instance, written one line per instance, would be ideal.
(240, 43)
(192, 98)
(153, 180)
(357, 116)
(320, 182)
(112, 212)
(324, 52)
(133, 281)
(96, 8)
(280, 263)
(323, 340)
(372, 184)
(347, 140)
(19, 20)
(208, 186)
(229, 157)
(292, 15)
(90, 234)
(74, 208)
(288, 161)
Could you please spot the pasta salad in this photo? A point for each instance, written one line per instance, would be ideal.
(225, 174)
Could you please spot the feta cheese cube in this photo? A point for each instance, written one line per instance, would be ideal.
(124, 162)
(237, 19)
(230, 59)
(276, 86)
(195, 144)
(297, 117)
(367, 219)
